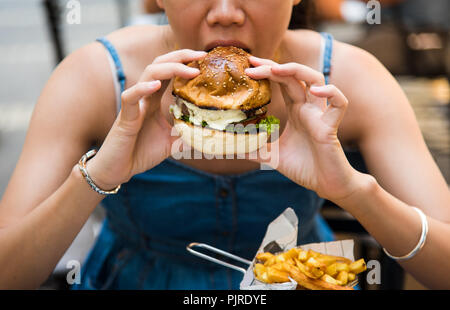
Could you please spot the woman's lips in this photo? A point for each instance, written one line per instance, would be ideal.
(235, 43)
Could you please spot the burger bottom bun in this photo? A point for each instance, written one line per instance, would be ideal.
(215, 142)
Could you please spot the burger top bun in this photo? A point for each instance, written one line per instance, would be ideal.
(222, 83)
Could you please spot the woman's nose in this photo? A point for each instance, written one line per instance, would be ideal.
(225, 13)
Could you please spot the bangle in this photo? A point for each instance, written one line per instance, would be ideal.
(421, 242)
(84, 172)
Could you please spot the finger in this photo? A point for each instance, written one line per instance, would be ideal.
(256, 61)
(300, 72)
(167, 71)
(294, 88)
(335, 111)
(180, 56)
(131, 96)
(303, 73)
(164, 72)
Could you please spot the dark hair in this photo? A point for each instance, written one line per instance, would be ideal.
(303, 15)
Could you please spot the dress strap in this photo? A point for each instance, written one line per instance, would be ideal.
(117, 68)
(328, 50)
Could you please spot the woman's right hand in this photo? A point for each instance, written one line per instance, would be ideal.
(140, 137)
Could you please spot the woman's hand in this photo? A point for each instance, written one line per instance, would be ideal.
(140, 137)
(310, 153)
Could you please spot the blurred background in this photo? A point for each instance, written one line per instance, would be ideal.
(411, 38)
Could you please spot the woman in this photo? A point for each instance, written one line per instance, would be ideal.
(164, 203)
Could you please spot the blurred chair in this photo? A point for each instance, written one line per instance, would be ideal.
(425, 27)
(417, 32)
(53, 14)
(334, 10)
(54, 11)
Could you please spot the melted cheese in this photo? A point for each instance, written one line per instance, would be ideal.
(176, 111)
(216, 119)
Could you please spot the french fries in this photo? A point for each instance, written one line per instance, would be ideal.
(310, 269)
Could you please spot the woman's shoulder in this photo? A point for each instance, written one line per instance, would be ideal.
(138, 45)
(81, 83)
(344, 56)
(303, 46)
(363, 79)
(134, 45)
(88, 68)
(372, 91)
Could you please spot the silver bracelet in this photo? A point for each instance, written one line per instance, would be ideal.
(421, 242)
(84, 172)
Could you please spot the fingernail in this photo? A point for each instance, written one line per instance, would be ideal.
(316, 88)
(153, 84)
(194, 70)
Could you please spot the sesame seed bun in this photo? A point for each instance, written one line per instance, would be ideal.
(222, 83)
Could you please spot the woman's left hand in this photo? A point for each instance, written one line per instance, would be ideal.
(310, 153)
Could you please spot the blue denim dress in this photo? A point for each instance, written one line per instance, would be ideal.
(142, 244)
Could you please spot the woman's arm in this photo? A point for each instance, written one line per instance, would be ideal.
(31, 247)
(380, 120)
(397, 227)
(404, 171)
(47, 202)
(39, 217)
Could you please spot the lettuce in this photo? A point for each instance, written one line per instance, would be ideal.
(269, 124)
(185, 118)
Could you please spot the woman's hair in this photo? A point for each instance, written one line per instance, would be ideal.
(303, 15)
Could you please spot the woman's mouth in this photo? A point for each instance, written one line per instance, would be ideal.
(235, 43)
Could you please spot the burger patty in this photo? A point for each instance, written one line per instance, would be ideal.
(248, 113)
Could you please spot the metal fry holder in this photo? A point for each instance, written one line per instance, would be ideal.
(282, 231)
(248, 282)
(215, 260)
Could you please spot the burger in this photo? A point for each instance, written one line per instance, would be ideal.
(222, 110)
